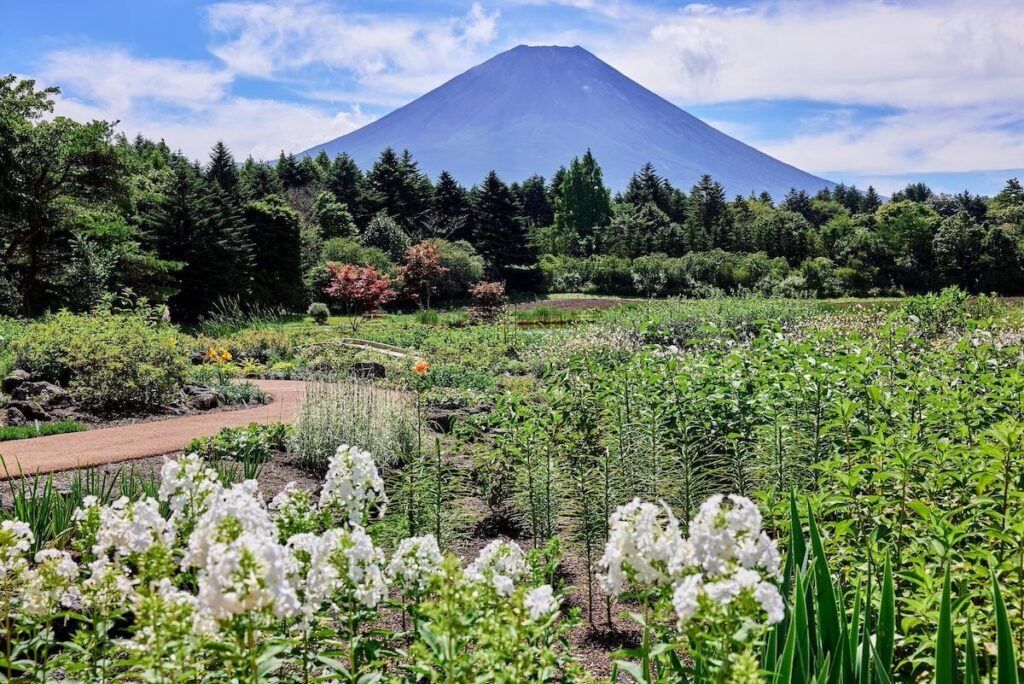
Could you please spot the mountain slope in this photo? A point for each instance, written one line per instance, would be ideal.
(531, 109)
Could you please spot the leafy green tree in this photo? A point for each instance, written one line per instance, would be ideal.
(497, 232)
(273, 229)
(781, 233)
(646, 186)
(1001, 267)
(583, 205)
(638, 230)
(907, 230)
(47, 166)
(384, 233)
(399, 188)
(915, 192)
(332, 217)
(871, 201)
(957, 245)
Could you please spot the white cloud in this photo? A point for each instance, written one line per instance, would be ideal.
(954, 52)
(115, 78)
(950, 140)
(384, 55)
(188, 104)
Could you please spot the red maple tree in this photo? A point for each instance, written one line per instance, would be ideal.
(422, 271)
(360, 290)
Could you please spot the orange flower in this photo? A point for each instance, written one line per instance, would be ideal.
(421, 367)
(225, 354)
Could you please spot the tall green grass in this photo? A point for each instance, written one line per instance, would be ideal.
(12, 432)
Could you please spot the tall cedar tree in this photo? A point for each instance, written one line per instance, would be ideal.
(222, 169)
(274, 230)
(399, 189)
(584, 204)
(346, 182)
(257, 180)
(195, 225)
(497, 233)
(535, 207)
(450, 208)
(709, 224)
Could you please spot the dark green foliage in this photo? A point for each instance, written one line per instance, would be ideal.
(332, 217)
(384, 233)
(273, 232)
(451, 209)
(583, 205)
(200, 229)
(497, 232)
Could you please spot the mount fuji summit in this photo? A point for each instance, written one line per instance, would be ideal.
(532, 109)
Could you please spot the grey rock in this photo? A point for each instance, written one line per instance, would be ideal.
(45, 393)
(32, 410)
(203, 401)
(14, 379)
(12, 416)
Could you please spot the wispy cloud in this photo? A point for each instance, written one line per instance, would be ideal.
(382, 54)
(189, 104)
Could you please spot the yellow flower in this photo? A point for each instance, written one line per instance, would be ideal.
(225, 355)
(421, 367)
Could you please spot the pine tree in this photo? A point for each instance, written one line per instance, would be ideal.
(497, 233)
(708, 221)
(584, 205)
(274, 232)
(450, 209)
(257, 180)
(535, 208)
(646, 186)
(223, 170)
(346, 182)
(871, 201)
(194, 225)
(288, 171)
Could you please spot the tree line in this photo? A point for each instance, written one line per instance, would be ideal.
(85, 212)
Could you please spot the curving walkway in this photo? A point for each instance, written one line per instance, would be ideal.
(109, 445)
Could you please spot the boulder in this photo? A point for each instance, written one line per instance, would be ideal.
(31, 410)
(195, 390)
(14, 379)
(45, 393)
(368, 370)
(12, 416)
(203, 401)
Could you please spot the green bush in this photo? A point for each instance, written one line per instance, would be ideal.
(109, 362)
(250, 446)
(319, 312)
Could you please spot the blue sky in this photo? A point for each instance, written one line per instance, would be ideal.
(861, 91)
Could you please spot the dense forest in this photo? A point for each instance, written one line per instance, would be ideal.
(86, 213)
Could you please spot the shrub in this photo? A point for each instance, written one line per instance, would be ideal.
(250, 446)
(383, 233)
(464, 265)
(319, 312)
(421, 272)
(109, 362)
(359, 290)
(489, 301)
(350, 413)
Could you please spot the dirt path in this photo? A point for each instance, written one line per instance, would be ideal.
(108, 445)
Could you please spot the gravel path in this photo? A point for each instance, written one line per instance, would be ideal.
(109, 445)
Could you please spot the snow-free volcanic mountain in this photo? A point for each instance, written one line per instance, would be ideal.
(532, 109)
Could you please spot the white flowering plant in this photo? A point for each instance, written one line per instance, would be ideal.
(713, 594)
